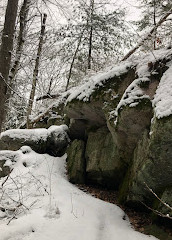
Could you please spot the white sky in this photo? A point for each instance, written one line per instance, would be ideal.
(132, 8)
(53, 12)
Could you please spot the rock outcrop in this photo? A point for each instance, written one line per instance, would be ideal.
(128, 143)
(120, 126)
(103, 165)
(76, 161)
(53, 140)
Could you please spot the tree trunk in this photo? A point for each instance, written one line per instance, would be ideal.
(73, 60)
(90, 34)
(154, 23)
(20, 41)
(5, 54)
(35, 72)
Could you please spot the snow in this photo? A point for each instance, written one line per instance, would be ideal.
(83, 92)
(134, 93)
(131, 96)
(152, 57)
(6, 155)
(163, 98)
(40, 204)
(35, 134)
(31, 134)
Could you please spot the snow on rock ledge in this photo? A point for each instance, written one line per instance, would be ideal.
(53, 140)
(163, 98)
(84, 92)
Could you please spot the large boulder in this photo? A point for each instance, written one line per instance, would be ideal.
(90, 105)
(103, 166)
(15, 139)
(53, 140)
(76, 161)
(152, 165)
(130, 126)
(57, 140)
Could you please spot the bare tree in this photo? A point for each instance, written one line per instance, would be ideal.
(90, 33)
(35, 72)
(73, 60)
(5, 53)
(21, 39)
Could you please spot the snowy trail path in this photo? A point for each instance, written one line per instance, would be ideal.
(65, 214)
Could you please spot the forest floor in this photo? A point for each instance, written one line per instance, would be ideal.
(141, 221)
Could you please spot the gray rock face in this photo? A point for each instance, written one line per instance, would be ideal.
(15, 139)
(91, 113)
(53, 141)
(77, 129)
(57, 140)
(119, 149)
(103, 165)
(132, 122)
(94, 112)
(152, 162)
(76, 161)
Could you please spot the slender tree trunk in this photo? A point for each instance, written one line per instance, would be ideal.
(35, 72)
(154, 22)
(148, 35)
(20, 41)
(73, 60)
(5, 54)
(90, 34)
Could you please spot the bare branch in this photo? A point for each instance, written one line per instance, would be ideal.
(163, 19)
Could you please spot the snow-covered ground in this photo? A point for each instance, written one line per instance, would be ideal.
(41, 204)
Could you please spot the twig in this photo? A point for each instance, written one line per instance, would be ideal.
(156, 211)
(165, 204)
(40, 183)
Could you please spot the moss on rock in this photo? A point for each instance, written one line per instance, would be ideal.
(76, 161)
(152, 165)
(103, 166)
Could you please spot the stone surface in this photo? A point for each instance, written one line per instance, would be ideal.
(76, 161)
(132, 122)
(104, 98)
(152, 163)
(103, 166)
(77, 129)
(15, 139)
(53, 140)
(57, 140)
(90, 112)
